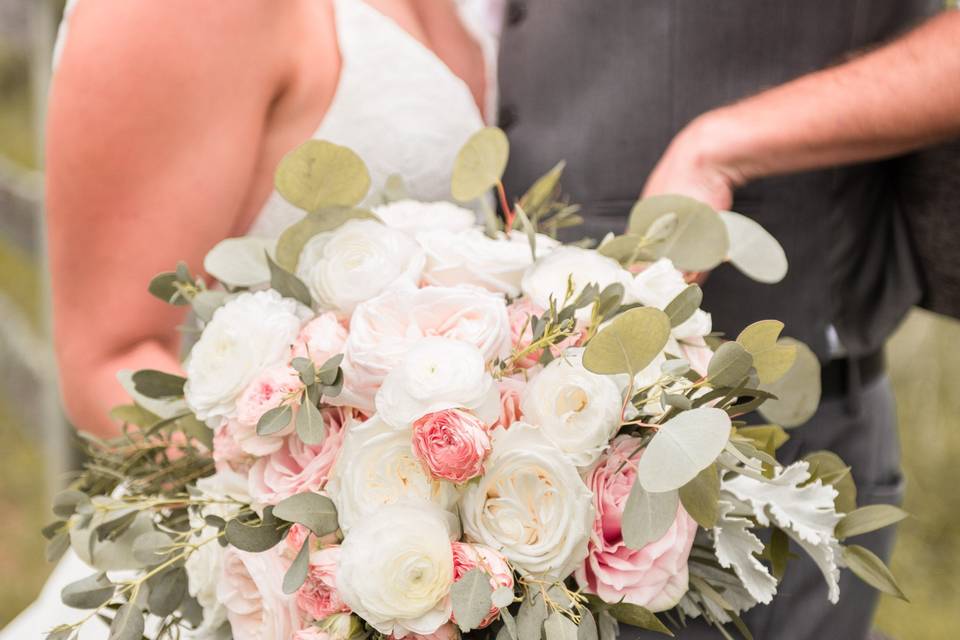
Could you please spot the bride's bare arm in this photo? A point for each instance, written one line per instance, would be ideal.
(157, 114)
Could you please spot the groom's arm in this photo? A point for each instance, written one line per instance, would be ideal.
(895, 99)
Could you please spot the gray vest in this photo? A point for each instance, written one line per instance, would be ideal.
(606, 84)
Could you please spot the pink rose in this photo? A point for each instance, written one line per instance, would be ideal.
(320, 339)
(251, 590)
(312, 633)
(448, 631)
(655, 576)
(511, 391)
(268, 390)
(296, 467)
(471, 556)
(697, 353)
(228, 454)
(452, 444)
(521, 313)
(318, 596)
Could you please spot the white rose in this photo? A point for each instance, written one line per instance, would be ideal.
(472, 257)
(548, 276)
(411, 216)
(245, 336)
(356, 262)
(579, 411)
(657, 286)
(437, 374)
(376, 467)
(396, 569)
(531, 505)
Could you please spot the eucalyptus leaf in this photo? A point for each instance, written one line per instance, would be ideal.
(543, 190)
(239, 261)
(152, 548)
(206, 303)
(321, 174)
(296, 575)
(287, 284)
(871, 569)
(502, 597)
(274, 420)
(768, 437)
(133, 414)
(753, 250)
(559, 627)
(831, 469)
(626, 249)
(663, 227)
(57, 546)
(698, 243)
(67, 502)
(867, 519)
(470, 597)
(294, 238)
(310, 426)
(629, 343)
(528, 229)
(255, 538)
(88, 593)
(587, 629)
(480, 164)
(730, 364)
(327, 374)
(648, 516)
(638, 616)
(797, 392)
(771, 359)
(167, 591)
(163, 286)
(305, 369)
(312, 510)
(701, 497)
(530, 618)
(128, 623)
(778, 551)
(683, 447)
(684, 305)
(158, 384)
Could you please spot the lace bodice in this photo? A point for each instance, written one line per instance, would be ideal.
(397, 105)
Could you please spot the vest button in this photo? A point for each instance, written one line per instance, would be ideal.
(506, 117)
(516, 12)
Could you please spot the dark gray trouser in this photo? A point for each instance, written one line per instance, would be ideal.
(864, 433)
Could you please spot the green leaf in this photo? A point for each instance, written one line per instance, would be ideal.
(609, 299)
(66, 503)
(701, 497)
(480, 163)
(327, 375)
(239, 261)
(294, 238)
(771, 359)
(502, 597)
(128, 623)
(530, 618)
(312, 510)
(470, 597)
(627, 249)
(559, 627)
(587, 629)
(753, 250)
(57, 546)
(255, 538)
(274, 420)
(152, 548)
(133, 414)
(867, 519)
(305, 369)
(638, 617)
(297, 573)
(167, 591)
(768, 437)
(830, 469)
(629, 343)
(528, 229)
(88, 593)
(779, 552)
(394, 189)
(648, 516)
(509, 623)
(321, 174)
(871, 569)
(683, 447)
(157, 384)
(163, 286)
(730, 364)
(543, 190)
(662, 228)
(287, 284)
(698, 243)
(797, 393)
(684, 305)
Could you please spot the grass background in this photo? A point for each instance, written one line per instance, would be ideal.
(924, 364)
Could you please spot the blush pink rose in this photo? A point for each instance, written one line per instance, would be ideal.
(471, 556)
(318, 596)
(228, 454)
(269, 390)
(320, 339)
(452, 444)
(511, 392)
(296, 467)
(655, 576)
(251, 590)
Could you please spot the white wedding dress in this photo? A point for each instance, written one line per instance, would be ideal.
(403, 111)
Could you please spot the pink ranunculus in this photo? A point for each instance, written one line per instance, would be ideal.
(471, 556)
(511, 391)
(297, 467)
(228, 454)
(448, 631)
(318, 596)
(320, 339)
(452, 444)
(655, 576)
(251, 589)
(521, 313)
(268, 390)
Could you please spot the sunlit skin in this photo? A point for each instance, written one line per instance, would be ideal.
(167, 120)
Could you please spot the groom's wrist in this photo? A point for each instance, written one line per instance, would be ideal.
(720, 143)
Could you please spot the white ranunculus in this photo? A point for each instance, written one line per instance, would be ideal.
(396, 569)
(245, 336)
(531, 504)
(548, 276)
(376, 467)
(356, 262)
(578, 410)
(437, 374)
(472, 257)
(411, 216)
(657, 286)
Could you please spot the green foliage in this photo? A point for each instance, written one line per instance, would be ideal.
(559, 627)
(128, 623)
(700, 497)
(684, 305)
(797, 392)
(287, 284)
(771, 359)
(867, 519)
(320, 174)
(753, 250)
(258, 536)
(629, 343)
(294, 238)
(683, 447)
(89, 592)
(730, 364)
(297, 573)
(648, 516)
(480, 164)
(470, 597)
(871, 569)
(312, 510)
(158, 384)
(699, 240)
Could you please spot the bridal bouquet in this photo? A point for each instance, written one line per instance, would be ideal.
(397, 422)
